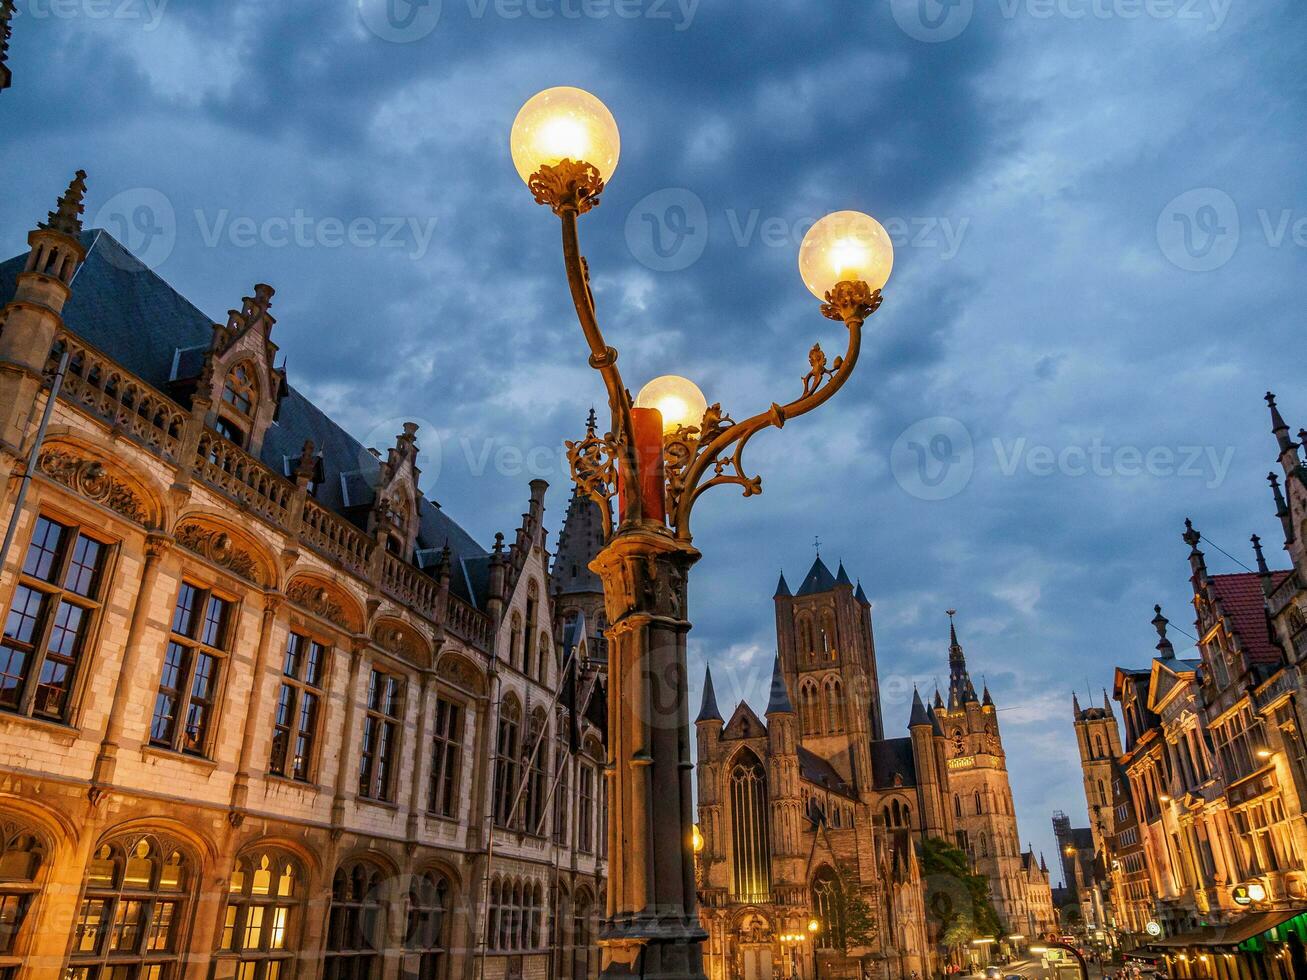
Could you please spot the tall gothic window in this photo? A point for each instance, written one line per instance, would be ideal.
(21, 855)
(260, 924)
(828, 908)
(239, 398)
(515, 642)
(381, 737)
(198, 643)
(356, 926)
(751, 879)
(536, 788)
(50, 618)
(585, 813)
(295, 724)
(426, 935)
(507, 752)
(834, 706)
(446, 752)
(562, 790)
(529, 666)
(809, 709)
(134, 911)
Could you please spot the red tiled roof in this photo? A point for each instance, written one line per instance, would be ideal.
(1244, 607)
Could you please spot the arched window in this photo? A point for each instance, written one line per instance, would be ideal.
(515, 642)
(529, 666)
(562, 785)
(426, 933)
(135, 909)
(536, 787)
(507, 753)
(809, 709)
(827, 906)
(260, 925)
(749, 838)
(977, 797)
(542, 659)
(585, 963)
(834, 706)
(828, 635)
(957, 806)
(984, 844)
(1102, 794)
(239, 399)
(21, 856)
(356, 926)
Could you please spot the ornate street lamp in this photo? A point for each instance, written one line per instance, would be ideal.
(661, 452)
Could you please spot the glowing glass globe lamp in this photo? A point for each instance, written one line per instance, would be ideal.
(564, 124)
(678, 399)
(847, 246)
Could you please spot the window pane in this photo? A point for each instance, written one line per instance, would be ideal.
(183, 617)
(43, 553)
(161, 924)
(90, 925)
(313, 668)
(13, 663)
(25, 613)
(294, 654)
(62, 652)
(12, 910)
(215, 622)
(84, 568)
(126, 927)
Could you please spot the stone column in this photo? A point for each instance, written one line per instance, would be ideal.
(420, 752)
(134, 660)
(357, 658)
(253, 719)
(651, 929)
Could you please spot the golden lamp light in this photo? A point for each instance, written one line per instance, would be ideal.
(678, 399)
(564, 124)
(813, 925)
(696, 838)
(846, 246)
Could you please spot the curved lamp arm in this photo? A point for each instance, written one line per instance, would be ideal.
(692, 452)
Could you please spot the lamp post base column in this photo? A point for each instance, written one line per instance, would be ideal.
(651, 929)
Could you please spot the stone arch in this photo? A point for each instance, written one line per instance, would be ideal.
(327, 600)
(226, 545)
(58, 829)
(308, 859)
(460, 671)
(446, 869)
(94, 469)
(402, 640)
(366, 854)
(164, 828)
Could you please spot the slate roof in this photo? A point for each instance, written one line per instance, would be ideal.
(708, 710)
(815, 769)
(580, 540)
(818, 579)
(124, 309)
(1244, 605)
(893, 756)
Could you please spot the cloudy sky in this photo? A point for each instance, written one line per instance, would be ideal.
(1100, 214)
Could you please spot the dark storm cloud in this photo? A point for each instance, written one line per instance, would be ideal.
(1041, 300)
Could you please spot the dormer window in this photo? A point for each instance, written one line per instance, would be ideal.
(239, 392)
(235, 418)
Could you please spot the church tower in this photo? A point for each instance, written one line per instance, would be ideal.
(985, 822)
(1099, 742)
(828, 657)
(576, 588)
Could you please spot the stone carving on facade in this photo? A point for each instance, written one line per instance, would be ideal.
(218, 547)
(460, 672)
(92, 480)
(318, 601)
(401, 642)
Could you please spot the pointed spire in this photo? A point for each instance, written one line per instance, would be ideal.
(987, 699)
(939, 701)
(860, 595)
(782, 587)
(1075, 703)
(1279, 428)
(1281, 508)
(591, 423)
(960, 688)
(708, 706)
(919, 716)
(1107, 702)
(1191, 537)
(779, 701)
(67, 217)
(1164, 648)
(819, 579)
(1042, 865)
(935, 727)
(1263, 572)
(842, 577)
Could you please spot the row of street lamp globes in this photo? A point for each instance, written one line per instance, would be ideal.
(663, 449)
(569, 124)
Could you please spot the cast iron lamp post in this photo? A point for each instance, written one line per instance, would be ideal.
(664, 449)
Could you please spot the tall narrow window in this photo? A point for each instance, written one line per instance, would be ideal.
(381, 737)
(239, 397)
(446, 750)
(534, 804)
(192, 664)
(54, 606)
(529, 666)
(425, 937)
(562, 788)
(828, 907)
(356, 926)
(507, 753)
(751, 864)
(21, 857)
(134, 911)
(295, 727)
(515, 641)
(585, 813)
(260, 923)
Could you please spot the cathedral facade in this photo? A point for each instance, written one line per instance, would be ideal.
(266, 711)
(808, 810)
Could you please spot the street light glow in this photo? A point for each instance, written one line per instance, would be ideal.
(847, 246)
(678, 399)
(564, 124)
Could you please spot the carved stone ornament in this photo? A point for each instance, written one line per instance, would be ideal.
(459, 672)
(318, 601)
(569, 185)
(398, 641)
(94, 482)
(218, 547)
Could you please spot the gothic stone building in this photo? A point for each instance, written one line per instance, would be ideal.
(265, 708)
(813, 791)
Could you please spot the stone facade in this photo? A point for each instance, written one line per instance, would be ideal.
(258, 704)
